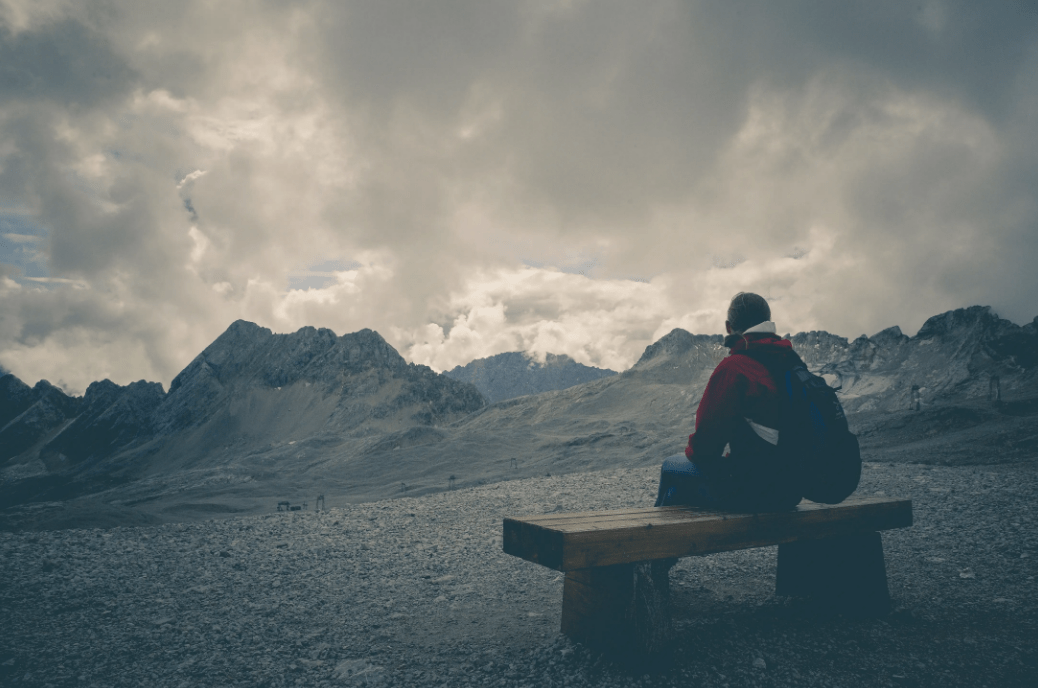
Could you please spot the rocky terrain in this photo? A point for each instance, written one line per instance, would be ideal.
(259, 418)
(516, 374)
(417, 592)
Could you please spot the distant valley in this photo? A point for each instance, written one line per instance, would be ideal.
(258, 418)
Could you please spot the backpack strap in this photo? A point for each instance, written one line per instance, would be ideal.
(777, 362)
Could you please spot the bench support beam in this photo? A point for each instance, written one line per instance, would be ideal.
(843, 574)
(624, 608)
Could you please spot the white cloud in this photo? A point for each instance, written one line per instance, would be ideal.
(190, 177)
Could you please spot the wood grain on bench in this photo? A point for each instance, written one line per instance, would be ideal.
(568, 542)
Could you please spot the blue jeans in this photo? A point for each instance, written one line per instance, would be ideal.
(681, 483)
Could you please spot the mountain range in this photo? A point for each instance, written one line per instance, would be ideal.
(516, 374)
(258, 418)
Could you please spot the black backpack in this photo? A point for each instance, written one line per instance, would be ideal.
(814, 441)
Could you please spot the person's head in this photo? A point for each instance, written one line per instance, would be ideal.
(745, 311)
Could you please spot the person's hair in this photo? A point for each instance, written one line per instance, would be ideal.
(746, 310)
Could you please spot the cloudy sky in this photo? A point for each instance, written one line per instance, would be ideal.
(471, 177)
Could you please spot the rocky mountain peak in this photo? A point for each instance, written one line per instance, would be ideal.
(553, 360)
(675, 342)
(819, 348)
(359, 374)
(249, 354)
(678, 342)
(980, 320)
(101, 394)
(892, 336)
(515, 373)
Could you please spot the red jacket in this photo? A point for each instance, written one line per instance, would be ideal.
(739, 387)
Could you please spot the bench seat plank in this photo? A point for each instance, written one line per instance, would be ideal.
(568, 542)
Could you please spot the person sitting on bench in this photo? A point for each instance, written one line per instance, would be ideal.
(730, 462)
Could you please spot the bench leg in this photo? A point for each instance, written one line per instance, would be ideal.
(623, 608)
(844, 574)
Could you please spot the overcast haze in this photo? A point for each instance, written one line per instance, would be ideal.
(469, 178)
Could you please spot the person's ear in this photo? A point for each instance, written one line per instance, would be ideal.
(728, 327)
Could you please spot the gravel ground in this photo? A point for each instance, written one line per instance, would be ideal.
(417, 592)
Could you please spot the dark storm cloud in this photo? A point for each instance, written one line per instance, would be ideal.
(61, 61)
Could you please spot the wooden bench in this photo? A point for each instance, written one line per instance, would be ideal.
(617, 563)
